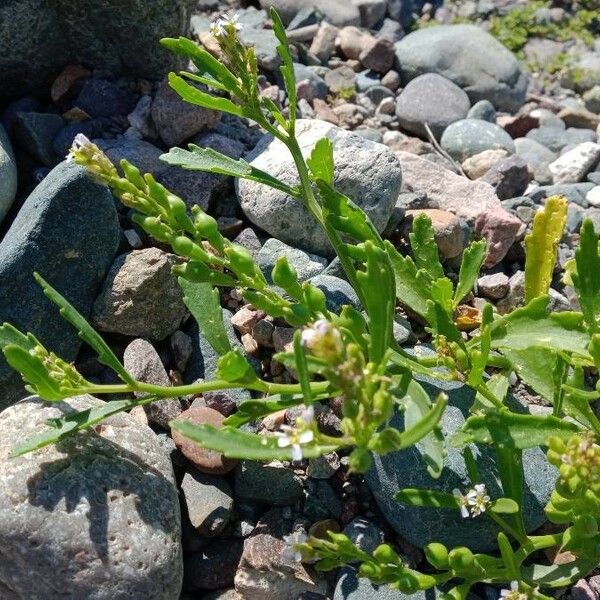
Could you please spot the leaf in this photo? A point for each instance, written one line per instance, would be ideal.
(585, 278)
(193, 95)
(287, 68)
(427, 498)
(302, 367)
(234, 368)
(507, 553)
(424, 248)
(234, 443)
(207, 159)
(518, 430)
(533, 326)
(85, 331)
(320, 161)
(79, 421)
(541, 245)
(534, 366)
(505, 506)
(202, 301)
(470, 265)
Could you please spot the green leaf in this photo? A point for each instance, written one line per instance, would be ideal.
(287, 68)
(202, 301)
(234, 368)
(234, 443)
(302, 367)
(505, 506)
(517, 430)
(534, 366)
(428, 498)
(79, 421)
(207, 159)
(507, 553)
(541, 245)
(470, 265)
(320, 161)
(193, 95)
(424, 248)
(85, 331)
(585, 278)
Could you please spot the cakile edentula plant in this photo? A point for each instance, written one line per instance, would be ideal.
(351, 355)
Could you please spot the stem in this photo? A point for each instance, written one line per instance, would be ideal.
(522, 539)
(485, 392)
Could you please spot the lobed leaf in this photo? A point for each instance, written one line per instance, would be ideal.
(320, 161)
(470, 265)
(586, 277)
(424, 247)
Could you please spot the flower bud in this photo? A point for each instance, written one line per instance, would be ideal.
(461, 559)
(437, 555)
(323, 340)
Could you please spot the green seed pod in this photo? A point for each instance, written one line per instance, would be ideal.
(155, 227)
(407, 583)
(285, 276)
(461, 559)
(208, 228)
(241, 261)
(437, 555)
(314, 298)
(370, 570)
(183, 246)
(385, 554)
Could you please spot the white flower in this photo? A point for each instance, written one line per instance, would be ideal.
(225, 25)
(513, 593)
(323, 340)
(289, 436)
(80, 142)
(478, 499)
(291, 541)
(463, 503)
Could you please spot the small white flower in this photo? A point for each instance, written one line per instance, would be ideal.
(289, 436)
(463, 503)
(80, 142)
(478, 499)
(513, 593)
(225, 25)
(291, 541)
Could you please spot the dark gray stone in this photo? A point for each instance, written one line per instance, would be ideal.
(574, 192)
(483, 110)
(364, 534)
(36, 132)
(64, 138)
(336, 12)
(350, 587)
(321, 89)
(537, 156)
(214, 567)
(95, 516)
(469, 137)
(141, 154)
(101, 98)
(510, 177)
(337, 292)
(67, 231)
(273, 485)
(8, 174)
(406, 469)
(556, 139)
(306, 265)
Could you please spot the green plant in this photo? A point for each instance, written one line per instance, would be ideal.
(352, 355)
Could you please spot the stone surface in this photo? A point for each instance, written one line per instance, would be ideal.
(67, 230)
(406, 469)
(433, 100)
(102, 98)
(537, 156)
(141, 297)
(143, 363)
(96, 516)
(494, 286)
(364, 534)
(144, 155)
(338, 292)
(266, 572)
(214, 567)
(367, 172)
(447, 230)
(351, 587)
(470, 57)
(337, 12)
(468, 137)
(268, 484)
(510, 177)
(36, 132)
(556, 139)
(8, 174)
(377, 55)
(574, 165)
(323, 43)
(477, 166)
(177, 120)
(473, 201)
(483, 110)
(84, 32)
(205, 460)
(306, 265)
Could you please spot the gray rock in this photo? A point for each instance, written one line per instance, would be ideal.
(193, 187)
(584, 73)
(433, 100)
(143, 155)
(575, 192)
(106, 497)
(350, 587)
(367, 172)
(264, 43)
(556, 139)
(509, 177)
(67, 230)
(337, 12)
(364, 534)
(537, 156)
(366, 80)
(36, 132)
(101, 98)
(214, 567)
(306, 265)
(406, 469)
(483, 110)
(68, 32)
(468, 137)
(493, 286)
(574, 165)
(338, 292)
(320, 88)
(268, 484)
(141, 296)
(8, 174)
(371, 11)
(209, 501)
(470, 57)
(592, 99)
(143, 362)
(341, 79)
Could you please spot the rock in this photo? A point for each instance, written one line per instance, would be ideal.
(101, 98)
(468, 137)
(364, 534)
(338, 12)
(266, 571)
(65, 86)
(351, 41)
(208, 500)
(473, 201)
(97, 514)
(350, 587)
(141, 154)
(67, 230)
(338, 292)
(77, 33)
(367, 172)
(583, 591)
(262, 40)
(143, 363)
(584, 73)
(494, 286)
(519, 125)
(483, 110)
(321, 501)
(340, 80)
(323, 467)
(141, 296)
(579, 117)
(510, 177)
(205, 460)
(593, 196)
(478, 165)
(447, 230)
(468, 56)
(377, 54)
(36, 132)
(319, 88)
(306, 265)
(371, 11)
(268, 484)
(574, 192)
(8, 174)
(537, 156)
(177, 120)
(592, 99)
(556, 139)
(323, 43)
(64, 139)
(433, 100)
(193, 187)
(574, 165)
(214, 567)
(406, 469)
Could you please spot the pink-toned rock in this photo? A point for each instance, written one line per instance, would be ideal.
(474, 201)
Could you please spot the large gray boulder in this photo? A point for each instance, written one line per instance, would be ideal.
(366, 171)
(67, 230)
(336, 12)
(95, 516)
(38, 38)
(8, 174)
(468, 56)
(407, 469)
